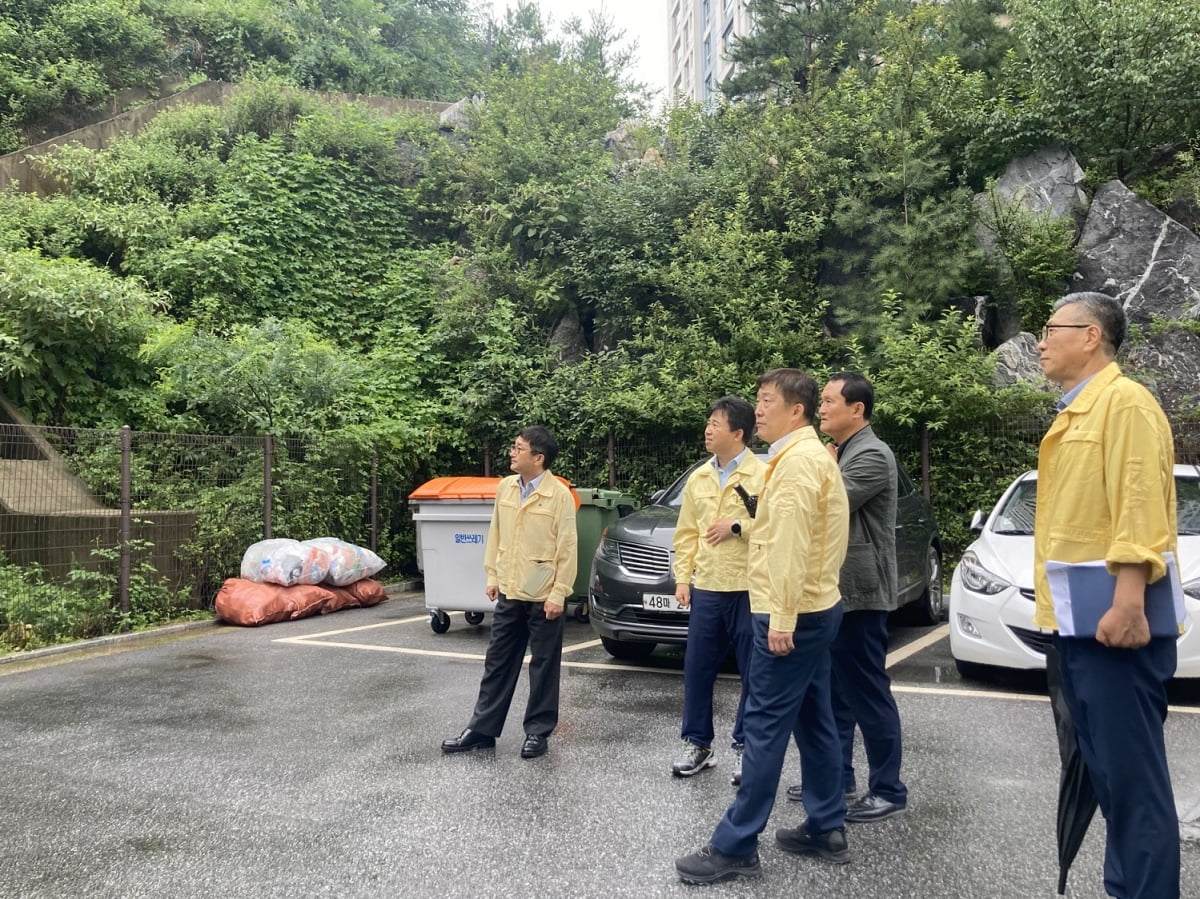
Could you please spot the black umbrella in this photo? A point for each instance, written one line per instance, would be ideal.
(1076, 798)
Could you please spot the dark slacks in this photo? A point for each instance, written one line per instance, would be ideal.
(862, 695)
(716, 620)
(516, 626)
(789, 696)
(1118, 702)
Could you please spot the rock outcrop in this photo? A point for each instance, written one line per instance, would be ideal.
(1140, 255)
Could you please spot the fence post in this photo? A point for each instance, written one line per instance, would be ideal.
(487, 458)
(374, 547)
(268, 453)
(123, 575)
(612, 462)
(925, 474)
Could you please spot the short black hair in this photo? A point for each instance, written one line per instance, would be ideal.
(856, 389)
(796, 386)
(738, 413)
(541, 442)
(1106, 312)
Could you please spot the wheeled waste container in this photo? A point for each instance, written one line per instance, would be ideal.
(597, 510)
(452, 517)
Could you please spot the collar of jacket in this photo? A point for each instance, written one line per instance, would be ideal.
(1096, 386)
(797, 435)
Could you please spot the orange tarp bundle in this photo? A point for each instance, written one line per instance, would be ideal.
(244, 602)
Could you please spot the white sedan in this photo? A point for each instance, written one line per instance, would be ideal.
(991, 592)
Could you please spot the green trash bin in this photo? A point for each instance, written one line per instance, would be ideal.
(597, 510)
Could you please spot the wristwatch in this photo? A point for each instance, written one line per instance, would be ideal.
(736, 528)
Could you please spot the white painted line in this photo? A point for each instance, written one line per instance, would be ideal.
(575, 647)
(351, 630)
(910, 649)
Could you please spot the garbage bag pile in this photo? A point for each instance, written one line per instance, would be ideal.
(282, 580)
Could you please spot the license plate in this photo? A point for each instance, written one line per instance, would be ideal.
(661, 602)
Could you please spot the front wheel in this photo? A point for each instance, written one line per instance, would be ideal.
(619, 649)
(473, 617)
(931, 605)
(439, 621)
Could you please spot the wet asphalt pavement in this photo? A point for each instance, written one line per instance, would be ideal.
(302, 759)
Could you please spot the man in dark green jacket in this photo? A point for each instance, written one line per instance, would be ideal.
(862, 690)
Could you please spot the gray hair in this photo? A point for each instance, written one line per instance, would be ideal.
(1105, 312)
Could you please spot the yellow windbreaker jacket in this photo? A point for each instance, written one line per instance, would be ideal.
(721, 568)
(800, 534)
(1106, 484)
(532, 543)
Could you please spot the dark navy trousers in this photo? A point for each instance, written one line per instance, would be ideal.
(862, 695)
(1118, 702)
(517, 625)
(716, 621)
(789, 696)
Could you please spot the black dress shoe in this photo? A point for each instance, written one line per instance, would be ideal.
(873, 808)
(468, 740)
(796, 793)
(534, 746)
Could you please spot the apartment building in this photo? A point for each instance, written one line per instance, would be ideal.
(699, 33)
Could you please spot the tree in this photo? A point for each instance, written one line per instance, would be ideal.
(70, 335)
(1115, 80)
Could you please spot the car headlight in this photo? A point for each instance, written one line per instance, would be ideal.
(608, 550)
(978, 579)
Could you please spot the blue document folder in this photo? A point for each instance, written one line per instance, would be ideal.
(1083, 591)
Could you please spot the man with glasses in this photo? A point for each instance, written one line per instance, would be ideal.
(530, 559)
(1106, 491)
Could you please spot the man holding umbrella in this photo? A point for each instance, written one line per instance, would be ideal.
(1106, 491)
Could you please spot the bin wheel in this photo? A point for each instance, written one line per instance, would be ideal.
(439, 621)
(474, 617)
(581, 612)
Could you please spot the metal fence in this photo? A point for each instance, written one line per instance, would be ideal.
(135, 518)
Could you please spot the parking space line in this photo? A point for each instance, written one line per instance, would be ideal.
(911, 649)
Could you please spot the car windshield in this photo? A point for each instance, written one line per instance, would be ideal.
(673, 495)
(1016, 515)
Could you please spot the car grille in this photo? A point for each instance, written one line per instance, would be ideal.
(647, 561)
(1035, 640)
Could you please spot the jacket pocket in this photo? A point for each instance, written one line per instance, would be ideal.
(538, 580)
(860, 574)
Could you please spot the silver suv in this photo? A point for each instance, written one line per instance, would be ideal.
(631, 589)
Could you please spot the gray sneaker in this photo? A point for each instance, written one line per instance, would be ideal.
(736, 777)
(692, 760)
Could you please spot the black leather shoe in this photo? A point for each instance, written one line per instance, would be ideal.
(830, 846)
(534, 746)
(468, 740)
(873, 808)
(708, 865)
(796, 793)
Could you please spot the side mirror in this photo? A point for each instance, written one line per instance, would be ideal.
(656, 496)
(977, 521)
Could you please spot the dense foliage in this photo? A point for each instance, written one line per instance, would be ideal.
(318, 270)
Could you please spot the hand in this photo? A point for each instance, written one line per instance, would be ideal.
(551, 610)
(1123, 627)
(780, 642)
(492, 593)
(683, 595)
(720, 530)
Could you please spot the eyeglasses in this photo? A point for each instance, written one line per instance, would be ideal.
(1048, 328)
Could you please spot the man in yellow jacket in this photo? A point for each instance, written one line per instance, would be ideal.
(1106, 491)
(530, 559)
(796, 552)
(711, 541)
